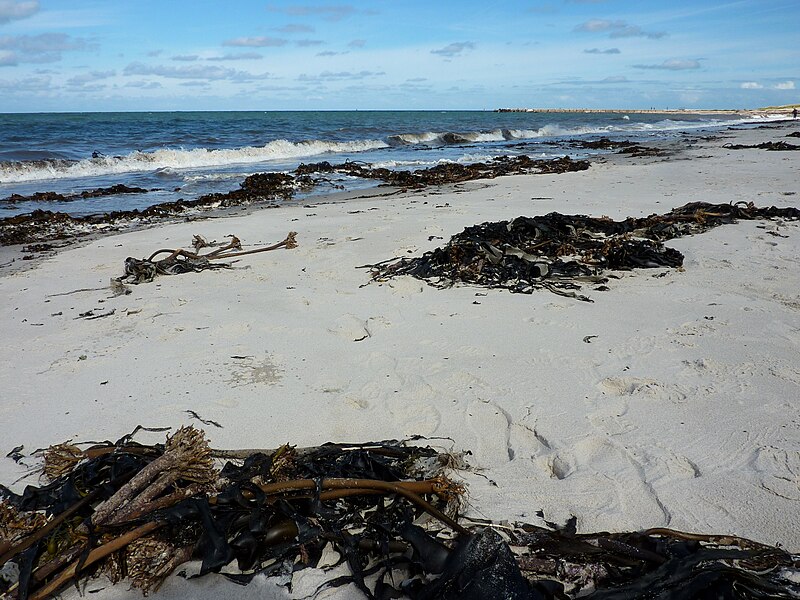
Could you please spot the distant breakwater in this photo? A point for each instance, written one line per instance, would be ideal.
(639, 111)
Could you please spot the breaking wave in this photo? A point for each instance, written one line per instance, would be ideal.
(446, 138)
(34, 170)
(545, 132)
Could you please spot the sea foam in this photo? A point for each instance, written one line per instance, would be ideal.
(14, 172)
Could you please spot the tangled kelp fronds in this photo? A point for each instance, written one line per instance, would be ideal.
(126, 508)
(558, 252)
(184, 261)
(38, 225)
(603, 143)
(774, 146)
(448, 172)
(385, 510)
(113, 190)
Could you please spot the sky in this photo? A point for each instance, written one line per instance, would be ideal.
(150, 55)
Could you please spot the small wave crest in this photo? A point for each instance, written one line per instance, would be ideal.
(165, 159)
(455, 138)
(452, 138)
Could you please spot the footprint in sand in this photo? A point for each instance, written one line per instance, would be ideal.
(490, 425)
(405, 286)
(642, 387)
(557, 466)
(779, 471)
(350, 328)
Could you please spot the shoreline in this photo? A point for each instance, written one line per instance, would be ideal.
(680, 411)
(70, 231)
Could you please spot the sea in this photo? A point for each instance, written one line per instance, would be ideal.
(188, 154)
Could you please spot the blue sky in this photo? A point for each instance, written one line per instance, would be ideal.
(105, 55)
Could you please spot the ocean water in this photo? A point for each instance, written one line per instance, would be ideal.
(187, 154)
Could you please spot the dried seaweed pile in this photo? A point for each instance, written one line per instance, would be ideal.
(56, 197)
(449, 172)
(559, 252)
(184, 261)
(622, 147)
(135, 511)
(47, 225)
(386, 511)
(774, 146)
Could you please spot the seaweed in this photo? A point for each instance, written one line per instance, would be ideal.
(56, 197)
(448, 173)
(179, 261)
(389, 510)
(774, 146)
(558, 252)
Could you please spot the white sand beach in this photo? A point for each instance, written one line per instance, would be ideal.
(671, 400)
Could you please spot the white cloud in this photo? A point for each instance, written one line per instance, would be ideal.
(90, 77)
(598, 51)
(28, 84)
(256, 42)
(12, 11)
(42, 48)
(329, 13)
(340, 75)
(751, 85)
(612, 79)
(673, 64)
(785, 85)
(543, 9)
(208, 72)
(454, 49)
(238, 56)
(618, 29)
(296, 28)
(144, 85)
